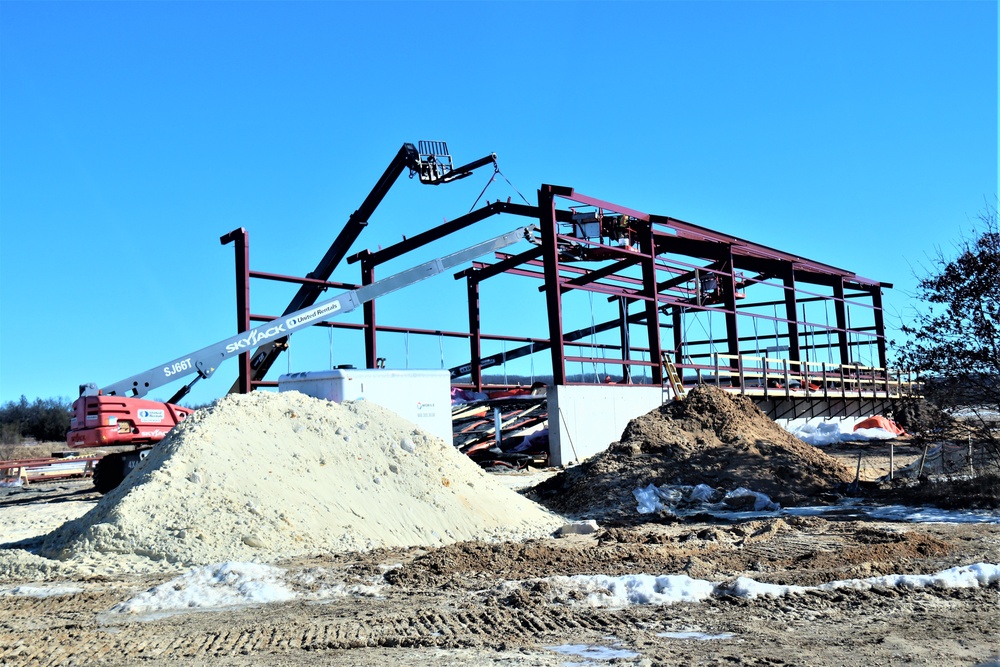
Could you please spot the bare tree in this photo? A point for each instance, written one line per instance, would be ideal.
(954, 337)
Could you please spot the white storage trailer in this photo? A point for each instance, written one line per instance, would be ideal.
(420, 396)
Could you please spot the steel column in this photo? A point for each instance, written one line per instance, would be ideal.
(678, 323)
(371, 346)
(241, 240)
(876, 293)
(841, 309)
(548, 226)
(307, 294)
(475, 340)
(794, 352)
(647, 245)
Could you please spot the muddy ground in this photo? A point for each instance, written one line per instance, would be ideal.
(443, 606)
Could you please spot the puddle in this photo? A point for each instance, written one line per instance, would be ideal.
(701, 500)
(698, 636)
(591, 652)
(856, 510)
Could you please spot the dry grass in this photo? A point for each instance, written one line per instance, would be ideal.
(30, 450)
(40, 450)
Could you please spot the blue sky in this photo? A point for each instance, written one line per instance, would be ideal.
(134, 135)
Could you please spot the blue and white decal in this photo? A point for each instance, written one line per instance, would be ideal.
(147, 416)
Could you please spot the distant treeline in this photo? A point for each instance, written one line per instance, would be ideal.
(44, 420)
(963, 389)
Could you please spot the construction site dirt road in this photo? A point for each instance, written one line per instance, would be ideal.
(349, 538)
(451, 606)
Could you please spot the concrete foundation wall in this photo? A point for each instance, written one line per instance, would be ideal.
(584, 420)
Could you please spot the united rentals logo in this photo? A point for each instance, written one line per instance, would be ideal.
(315, 313)
(151, 415)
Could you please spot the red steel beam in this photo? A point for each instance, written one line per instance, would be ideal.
(553, 297)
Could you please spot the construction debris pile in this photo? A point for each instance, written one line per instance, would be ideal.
(712, 437)
(523, 431)
(266, 476)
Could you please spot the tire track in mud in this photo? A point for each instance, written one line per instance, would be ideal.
(436, 613)
(173, 640)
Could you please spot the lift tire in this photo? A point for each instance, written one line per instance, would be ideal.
(113, 468)
(109, 473)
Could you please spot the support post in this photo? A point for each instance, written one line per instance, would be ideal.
(892, 459)
(732, 326)
(647, 246)
(550, 261)
(880, 330)
(475, 340)
(794, 352)
(241, 240)
(841, 309)
(371, 345)
(678, 336)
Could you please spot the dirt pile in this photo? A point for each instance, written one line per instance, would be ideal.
(268, 476)
(711, 437)
(921, 417)
(815, 549)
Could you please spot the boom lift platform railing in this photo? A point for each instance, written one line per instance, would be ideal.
(767, 377)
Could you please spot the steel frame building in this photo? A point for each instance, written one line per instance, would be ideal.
(782, 318)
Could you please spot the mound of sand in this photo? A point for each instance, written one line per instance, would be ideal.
(711, 437)
(268, 476)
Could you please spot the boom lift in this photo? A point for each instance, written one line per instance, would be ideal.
(117, 414)
(432, 163)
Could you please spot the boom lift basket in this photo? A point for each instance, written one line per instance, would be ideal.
(435, 161)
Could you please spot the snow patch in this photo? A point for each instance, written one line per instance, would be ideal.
(978, 575)
(235, 584)
(700, 498)
(27, 590)
(212, 587)
(828, 433)
(622, 591)
(607, 591)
